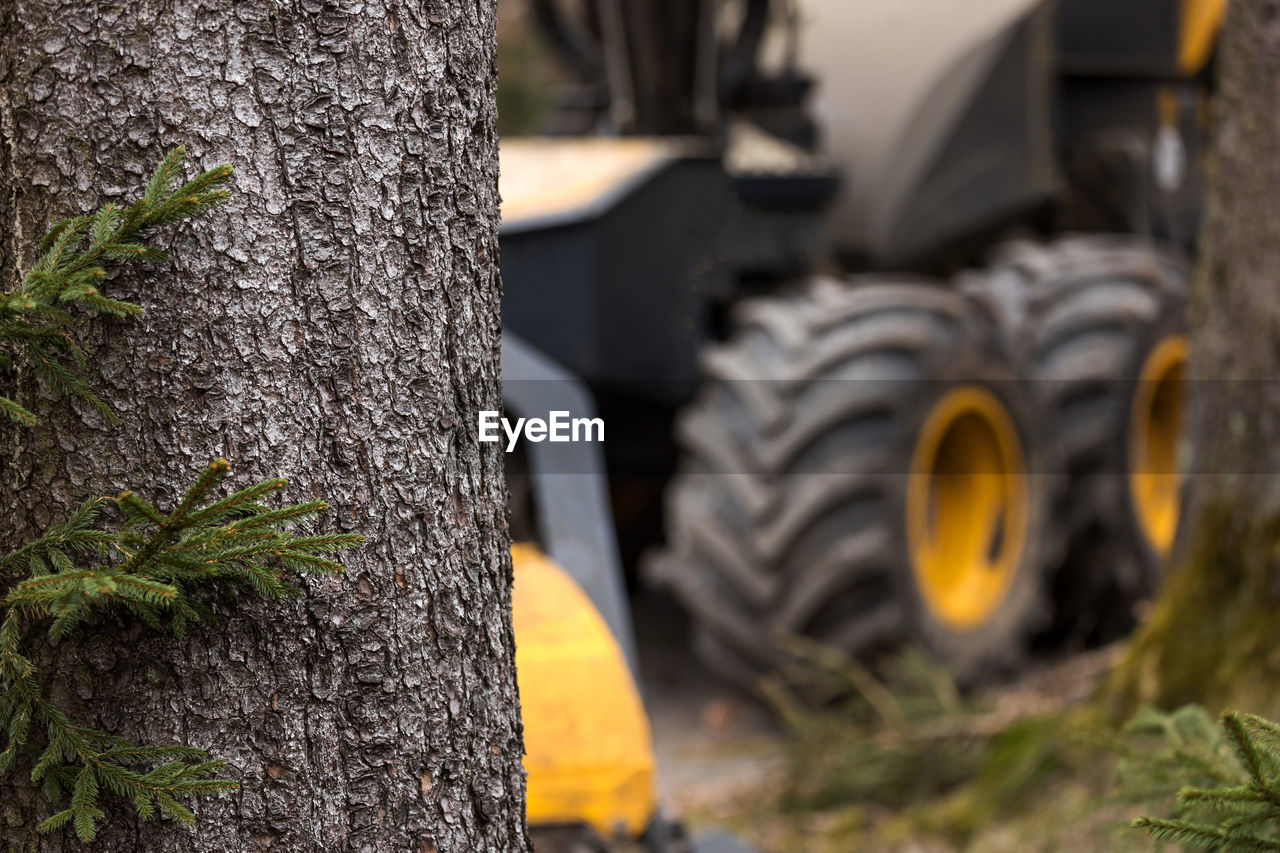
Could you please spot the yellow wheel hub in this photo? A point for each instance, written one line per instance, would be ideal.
(966, 507)
(1155, 427)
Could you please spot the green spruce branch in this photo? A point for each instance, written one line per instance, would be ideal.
(124, 554)
(151, 565)
(36, 322)
(1229, 796)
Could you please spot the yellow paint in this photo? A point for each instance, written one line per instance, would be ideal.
(557, 176)
(589, 751)
(1201, 21)
(1155, 429)
(966, 507)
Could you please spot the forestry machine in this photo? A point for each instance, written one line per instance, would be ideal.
(882, 305)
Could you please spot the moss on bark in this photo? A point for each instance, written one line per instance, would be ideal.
(1210, 637)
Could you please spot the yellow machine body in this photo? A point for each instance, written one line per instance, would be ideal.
(588, 747)
(1201, 22)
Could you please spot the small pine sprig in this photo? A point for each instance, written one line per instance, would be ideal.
(1239, 812)
(36, 319)
(153, 565)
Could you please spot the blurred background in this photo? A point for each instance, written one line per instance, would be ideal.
(883, 306)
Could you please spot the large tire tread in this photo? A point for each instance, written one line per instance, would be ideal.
(786, 518)
(1084, 313)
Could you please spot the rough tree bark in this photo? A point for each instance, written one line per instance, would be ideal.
(337, 322)
(1211, 635)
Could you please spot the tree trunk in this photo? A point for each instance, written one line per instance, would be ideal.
(337, 322)
(1211, 635)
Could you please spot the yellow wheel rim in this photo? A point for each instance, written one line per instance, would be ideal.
(1155, 429)
(966, 507)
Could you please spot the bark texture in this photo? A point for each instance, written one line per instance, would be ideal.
(336, 322)
(1210, 637)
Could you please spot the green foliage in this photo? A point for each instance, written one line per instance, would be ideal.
(36, 320)
(1221, 782)
(869, 738)
(1178, 656)
(899, 753)
(149, 564)
(123, 554)
(1162, 753)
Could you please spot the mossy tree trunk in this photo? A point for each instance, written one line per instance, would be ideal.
(337, 322)
(1213, 634)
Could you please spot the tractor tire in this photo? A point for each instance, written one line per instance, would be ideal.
(1099, 322)
(860, 469)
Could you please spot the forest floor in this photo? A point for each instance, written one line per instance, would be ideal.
(1011, 770)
